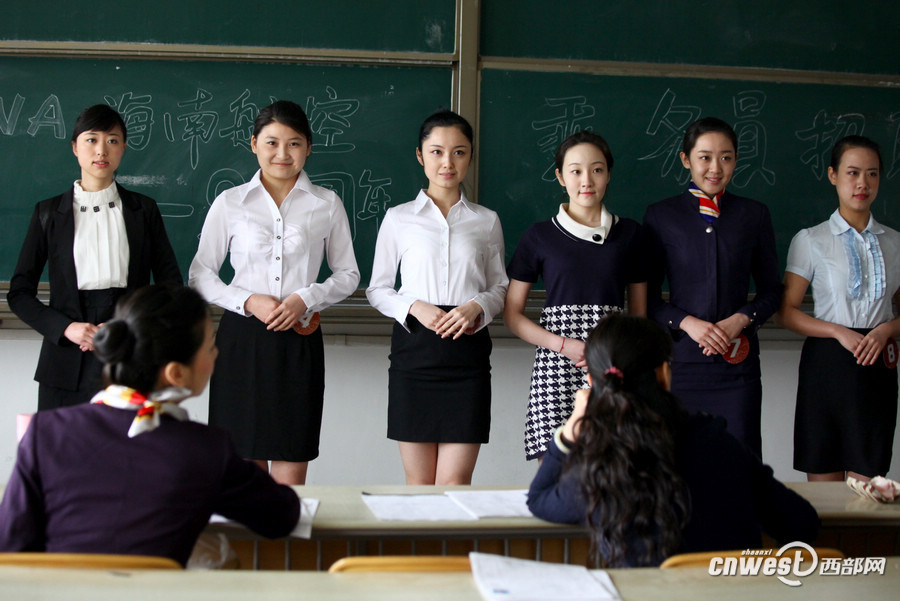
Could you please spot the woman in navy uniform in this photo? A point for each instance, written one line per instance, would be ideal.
(709, 244)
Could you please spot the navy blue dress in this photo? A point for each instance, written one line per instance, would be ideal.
(585, 281)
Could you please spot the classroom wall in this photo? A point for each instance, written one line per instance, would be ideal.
(354, 448)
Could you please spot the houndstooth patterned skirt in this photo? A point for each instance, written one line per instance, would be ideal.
(554, 378)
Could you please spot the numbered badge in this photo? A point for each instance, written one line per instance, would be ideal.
(889, 354)
(307, 324)
(738, 350)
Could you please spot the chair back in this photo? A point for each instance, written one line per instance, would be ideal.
(96, 561)
(695, 560)
(402, 563)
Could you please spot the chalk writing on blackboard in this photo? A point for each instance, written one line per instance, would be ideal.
(49, 115)
(570, 113)
(329, 118)
(243, 114)
(822, 135)
(752, 137)
(669, 123)
(138, 116)
(200, 118)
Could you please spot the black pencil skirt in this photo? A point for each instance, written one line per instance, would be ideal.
(439, 389)
(846, 413)
(267, 389)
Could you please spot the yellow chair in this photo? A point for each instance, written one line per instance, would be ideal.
(696, 560)
(96, 561)
(402, 563)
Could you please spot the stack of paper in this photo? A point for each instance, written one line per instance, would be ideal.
(512, 579)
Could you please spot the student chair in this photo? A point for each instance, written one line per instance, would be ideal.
(402, 563)
(91, 561)
(696, 560)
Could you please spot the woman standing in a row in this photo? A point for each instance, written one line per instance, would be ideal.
(709, 244)
(98, 241)
(847, 394)
(588, 259)
(268, 387)
(450, 255)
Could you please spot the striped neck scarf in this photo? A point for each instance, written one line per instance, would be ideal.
(149, 410)
(709, 207)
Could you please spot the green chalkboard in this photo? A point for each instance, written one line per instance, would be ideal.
(398, 25)
(189, 126)
(786, 132)
(799, 34)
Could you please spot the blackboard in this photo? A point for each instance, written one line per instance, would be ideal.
(189, 125)
(786, 133)
(398, 25)
(799, 34)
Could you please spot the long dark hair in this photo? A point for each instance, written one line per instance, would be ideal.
(151, 327)
(624, 458)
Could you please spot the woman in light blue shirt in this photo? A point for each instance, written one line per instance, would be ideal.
(847, 393)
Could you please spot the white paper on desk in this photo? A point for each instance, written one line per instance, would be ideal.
(308, 508)
(492, 503)
(413, 508)
(511, 579)
(303, 529)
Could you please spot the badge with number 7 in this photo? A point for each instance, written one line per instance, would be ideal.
(738, 349)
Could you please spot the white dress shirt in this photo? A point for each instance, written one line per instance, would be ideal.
(442, 261)
(100, 250)
(275, 250)
(819, 255)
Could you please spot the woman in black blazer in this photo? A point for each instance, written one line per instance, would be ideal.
(99, 241)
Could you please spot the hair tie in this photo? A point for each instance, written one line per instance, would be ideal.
(614, 372)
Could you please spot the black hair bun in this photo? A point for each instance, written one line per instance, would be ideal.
(114, 342)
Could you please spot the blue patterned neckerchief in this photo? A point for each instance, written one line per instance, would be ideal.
(709, 207)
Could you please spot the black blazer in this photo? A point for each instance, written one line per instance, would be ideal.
(49, 240)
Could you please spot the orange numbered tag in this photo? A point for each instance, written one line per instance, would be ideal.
(889, 354)
(738, 350)
(307, 324)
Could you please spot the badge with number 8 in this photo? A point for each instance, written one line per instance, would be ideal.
(889, 354)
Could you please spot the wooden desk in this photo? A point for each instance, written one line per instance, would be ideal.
(857, 526)
(648, 584)
(344, 526)
(837, 505)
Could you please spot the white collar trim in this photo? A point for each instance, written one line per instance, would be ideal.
(595, 235)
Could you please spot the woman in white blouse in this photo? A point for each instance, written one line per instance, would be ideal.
(268, 386)
(451, 259)
(97, 241)
(847, 393)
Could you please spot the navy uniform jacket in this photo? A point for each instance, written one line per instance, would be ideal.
(80, 485)
(709, 272)
(734, 496)
(51, 244)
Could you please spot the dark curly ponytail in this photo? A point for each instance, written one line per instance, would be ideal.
(637, 503)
